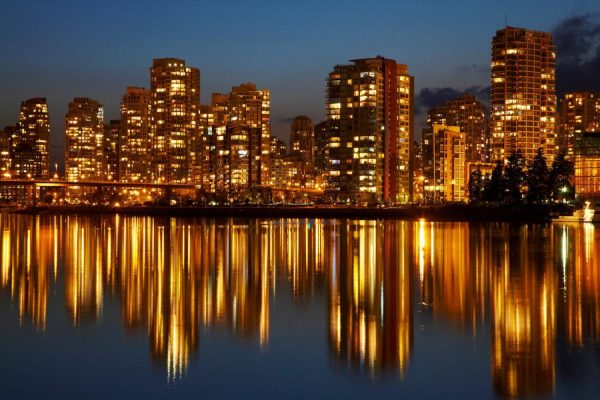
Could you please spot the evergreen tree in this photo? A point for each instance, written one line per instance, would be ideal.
(538, 179)
(476, 187)
(561, 170)
(494, 186)
(514, 177)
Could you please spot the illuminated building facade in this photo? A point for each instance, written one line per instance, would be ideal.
(135, 142)
(578, 112)
(302, 139)
(84, 140)
(523, 95)
(175, 102)
(370, 108)
(252, 107)
(33, 140)
(444, 165)
(587, 165)
(5, 158)
(235, 135)
(112, 133)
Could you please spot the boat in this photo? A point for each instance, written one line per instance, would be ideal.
(585, 214)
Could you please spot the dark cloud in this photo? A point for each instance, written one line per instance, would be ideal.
(428, 98)
(286, 120)
(577, 40)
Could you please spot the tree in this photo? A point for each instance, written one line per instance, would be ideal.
(538, 179)
(476, 188)
(560, 186)
(514, 177)
(494, 186)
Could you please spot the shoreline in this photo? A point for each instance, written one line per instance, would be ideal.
(466, 213)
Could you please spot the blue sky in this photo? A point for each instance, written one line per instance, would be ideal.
(63, 49)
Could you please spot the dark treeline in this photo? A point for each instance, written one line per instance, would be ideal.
(516, 182)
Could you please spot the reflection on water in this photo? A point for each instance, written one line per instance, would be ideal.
(527, 287)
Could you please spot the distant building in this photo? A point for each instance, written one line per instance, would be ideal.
(587, 165)
(578, 112)
(175, 102)
(136, 141)
(469, 115)
(523, 95)
(112, 133)
(321, 145)
(302, 139)
(84, 140)
(32, 145)
(370, 109)
(5, 153)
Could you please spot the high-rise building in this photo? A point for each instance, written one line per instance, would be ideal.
(579, 112)
(175, 102)
(523, 95)
(32, 145)
(84, 140)
(252, 107)
(370, 108)
(111, 144)
(235, 134)
(135, 142)
(443, 152)
(302, 139)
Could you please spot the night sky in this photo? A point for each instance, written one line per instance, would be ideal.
(63, 49)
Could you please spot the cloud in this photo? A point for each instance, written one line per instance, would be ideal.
(428, 98)
(577, 40)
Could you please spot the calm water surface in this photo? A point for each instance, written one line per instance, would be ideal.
(115, 307)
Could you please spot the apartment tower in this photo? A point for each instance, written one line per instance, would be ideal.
(370, 109)
(523, 95)
(175, 103)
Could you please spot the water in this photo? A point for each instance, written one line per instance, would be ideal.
(114, 307)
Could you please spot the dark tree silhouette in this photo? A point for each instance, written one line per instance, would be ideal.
(476, 188)
(514, 177)
(494, 186)
(538, 179)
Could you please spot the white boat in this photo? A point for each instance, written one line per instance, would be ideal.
(586, 214)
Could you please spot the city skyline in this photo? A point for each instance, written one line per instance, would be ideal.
(226, 62)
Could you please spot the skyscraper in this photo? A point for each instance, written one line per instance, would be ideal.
(523, 96)
(175, 104)
(84, 140)
(302, 139)
(33, 141)
(135, 157)
(235, 134)
(579, 112)
(444, 163)
(252, 107)
(370, 108)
